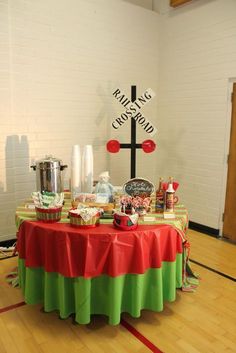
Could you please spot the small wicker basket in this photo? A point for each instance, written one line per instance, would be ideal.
(48, 215)
(77, 221)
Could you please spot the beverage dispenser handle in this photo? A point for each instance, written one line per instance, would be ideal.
(62, 167)
(33, 167)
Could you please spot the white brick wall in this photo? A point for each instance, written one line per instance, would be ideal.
(60, 61)
(197, 59)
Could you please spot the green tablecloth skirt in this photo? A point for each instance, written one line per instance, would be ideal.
(105, 295)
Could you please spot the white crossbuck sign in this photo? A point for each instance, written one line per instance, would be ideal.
(133, 110)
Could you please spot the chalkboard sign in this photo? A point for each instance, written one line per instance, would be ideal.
(138, 187)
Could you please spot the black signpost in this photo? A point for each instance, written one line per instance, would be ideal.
(148, 146)
(133, 145)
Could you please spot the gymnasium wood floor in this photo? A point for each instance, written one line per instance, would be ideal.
(200, 322)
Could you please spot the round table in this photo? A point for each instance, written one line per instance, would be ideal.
(99, 270)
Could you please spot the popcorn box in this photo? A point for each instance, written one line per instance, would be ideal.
(48, 215)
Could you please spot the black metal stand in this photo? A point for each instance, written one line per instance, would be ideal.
(133, 145)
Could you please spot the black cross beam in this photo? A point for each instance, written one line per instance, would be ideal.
(133, 145)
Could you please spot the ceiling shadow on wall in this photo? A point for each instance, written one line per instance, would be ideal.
(189, 6)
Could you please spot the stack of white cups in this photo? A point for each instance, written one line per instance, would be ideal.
(81, 170)
(75, 170)
(87, 169)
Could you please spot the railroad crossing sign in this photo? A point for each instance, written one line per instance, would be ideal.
(133, 113)
(133, 108)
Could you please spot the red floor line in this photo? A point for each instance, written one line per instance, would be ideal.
(11, 307)
(140, 337)
(124, 323)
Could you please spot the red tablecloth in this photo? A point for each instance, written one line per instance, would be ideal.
(74, 252)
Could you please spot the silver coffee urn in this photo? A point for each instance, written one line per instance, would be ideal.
(49, 174)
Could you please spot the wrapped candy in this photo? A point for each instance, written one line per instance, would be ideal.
(138, 204)
(47, 199)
